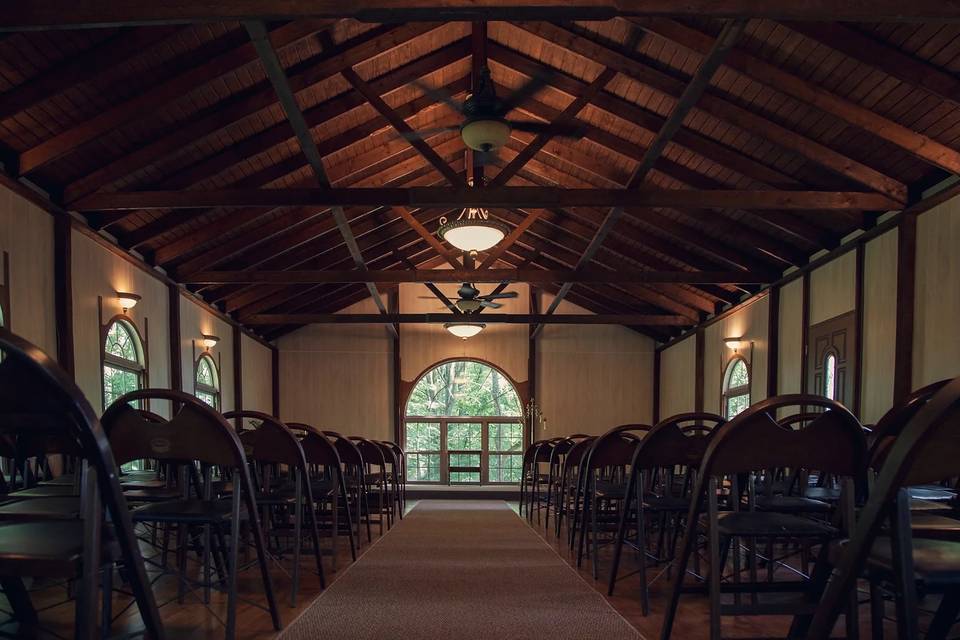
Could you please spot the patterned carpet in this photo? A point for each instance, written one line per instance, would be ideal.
(460, 569)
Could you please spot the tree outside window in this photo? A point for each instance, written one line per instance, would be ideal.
(207, 382)
(736, 388)
(123, 366)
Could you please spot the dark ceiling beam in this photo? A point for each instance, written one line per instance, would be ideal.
(565, 117)
(432, 288)
(69, 14)
(473, 275)
(882, 56)
(146, 102)
(80, 68)
(278, 78)
(489, 197)
(489, 318)
(478, 62)
(501, 247)
(260, 96)
(688, 99)
(913, 143)
(722, 109)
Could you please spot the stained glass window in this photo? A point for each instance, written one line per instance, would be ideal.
(207, 382)
(736, 388)
(122, 361)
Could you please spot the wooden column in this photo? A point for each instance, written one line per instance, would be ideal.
(906, 291)
(176, 356)
(805, 331)
(656, 386)
(858, 338)
(275, 379)
(532, 356)
(393, 303)
(63, 290)
(698, 371)
(773, 340)
(237, 370)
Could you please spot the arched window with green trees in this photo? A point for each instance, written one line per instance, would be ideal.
(736, 388)
(123, 361)
(463, 425)
(206, 384)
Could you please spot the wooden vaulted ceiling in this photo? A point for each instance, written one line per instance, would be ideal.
(846, 108)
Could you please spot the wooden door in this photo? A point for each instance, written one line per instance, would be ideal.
(830, 361)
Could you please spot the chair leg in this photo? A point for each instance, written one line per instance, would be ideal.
(945, 617)
(234, 564)
(106, 589)
(716, 567)
(297, 539)
(877, 607)
(905, 585)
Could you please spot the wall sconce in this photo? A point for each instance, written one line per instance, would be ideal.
(209, 341)
(734, 343)
(127, 300)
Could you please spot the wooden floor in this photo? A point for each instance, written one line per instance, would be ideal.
(192, 620)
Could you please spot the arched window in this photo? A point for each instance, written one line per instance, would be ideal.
(463, 425)
(736, 388)
(830, 376)
(206, 382)
(123, 362)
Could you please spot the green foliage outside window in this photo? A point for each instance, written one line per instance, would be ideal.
(463, 388)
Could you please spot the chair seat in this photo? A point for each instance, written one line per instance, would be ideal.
(610, 489)
(275, 498)
(191, 511)
(59, 508)
(931, 493)
(38, 549)
(46, 491)
(932, 525)
(791, 504)
(665, 503)
(936, 563)
(827, 494)
(771, 524)
(159, 494)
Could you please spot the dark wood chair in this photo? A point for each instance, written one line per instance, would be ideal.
(742, 449)
(355, 479)
(394, 472)
(39, 401)
(197, 435)
(328, 484)
(526, 475)
(376, 480)
(659, 485)
(401, 474)
(272, 444)
(917, 442)
(569, 484)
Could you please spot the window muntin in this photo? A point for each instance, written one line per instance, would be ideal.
(736, 388)
(463, 388)
(123, 366)
(206, 383)
(830, 376)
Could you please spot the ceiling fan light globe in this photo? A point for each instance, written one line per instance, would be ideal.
(473, 235)
(464, 330)
(485, 135)
(468, 306)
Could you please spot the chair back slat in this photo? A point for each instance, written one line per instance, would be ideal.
(271, 441)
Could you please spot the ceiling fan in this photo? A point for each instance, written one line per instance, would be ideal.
(470, 299)
(486, 127)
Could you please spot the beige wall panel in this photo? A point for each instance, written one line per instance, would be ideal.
(26, 233)
(677, 374)
(791, 337)
(936, 353)
(423, 345)
(257, 366)
(195, 321)
(339, 377)
(97, 271)
(592, 377)
(833, 288)
(879, 326)
(752, 324)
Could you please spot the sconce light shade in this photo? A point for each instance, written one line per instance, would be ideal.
(733, 343)
(464, 329)
(127, 300)
(209, 341)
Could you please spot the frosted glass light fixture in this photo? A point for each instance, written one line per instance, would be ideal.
(464, 330)
(127, 300)
(473, 230)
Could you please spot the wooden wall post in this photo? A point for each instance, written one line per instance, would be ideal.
(63, 290)
(906, 292)
(275, 379)
(805, 331)
(532, 356)
(698, 390)
(773, 341)
(176, 356)
(858, 338)
(656, 386)
(237, 369)
(393, 302)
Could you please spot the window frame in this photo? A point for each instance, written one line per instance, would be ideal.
(199, 387)
(830, 353)
(727, 392)
(137, 367)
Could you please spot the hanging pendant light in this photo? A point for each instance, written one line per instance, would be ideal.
(464, 330)
(473, 230)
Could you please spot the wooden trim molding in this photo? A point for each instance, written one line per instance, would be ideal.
(773, 341)
(176, 356)
(656, 386)
(275, 376)
(858, 337)
(906, 292)
(63, 291)
(698, 391)
(804, 331)
(237, 370)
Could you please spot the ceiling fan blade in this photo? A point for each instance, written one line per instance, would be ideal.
(518, 97)
(426, 133)
(439, 95)
(498, 296)
(491, 305)
(557, 129)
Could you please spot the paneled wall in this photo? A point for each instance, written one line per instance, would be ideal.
(98, 274)
(26, 235)
(678, 368)
(592, 377)
(790, 338)
(257, 366)
(196, 321)
(879, 325)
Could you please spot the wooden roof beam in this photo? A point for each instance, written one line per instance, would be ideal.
(67, 14)
(916, 144)
(490, 197)
(278, 78)
(490, 318)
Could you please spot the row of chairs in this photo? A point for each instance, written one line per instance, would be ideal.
(793, 505)
(129, 489)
